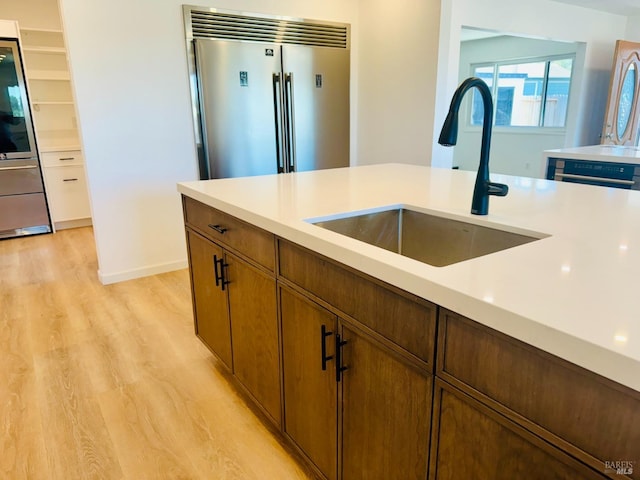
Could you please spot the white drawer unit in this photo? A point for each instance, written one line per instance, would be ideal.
(68, 196)
(62, 159)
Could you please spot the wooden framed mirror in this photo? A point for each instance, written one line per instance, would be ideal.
(621, 118)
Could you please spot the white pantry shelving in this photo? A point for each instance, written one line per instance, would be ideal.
(54, 114)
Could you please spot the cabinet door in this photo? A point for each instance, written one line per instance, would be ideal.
(386, 413)
(310, 394)
(67, 192)
(211, 313)
(254, 332)
(472, 441)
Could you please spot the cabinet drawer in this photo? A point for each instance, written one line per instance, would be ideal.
(67, 193)
(58, 159)
(23, 211)
(246, 239)
(16, 180)
(402, 318)
(472, 441)
(599, 417)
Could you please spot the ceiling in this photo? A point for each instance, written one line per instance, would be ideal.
(619, 7)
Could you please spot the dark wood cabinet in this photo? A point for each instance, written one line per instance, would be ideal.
(254, 332)
(376, 434)
(404, 319)
(386, 412)
(369, 382)
(210, 309)
(589, 417)
(234, 296)
(310, 391)
(473, 441)
(236, 235)
(386, 401)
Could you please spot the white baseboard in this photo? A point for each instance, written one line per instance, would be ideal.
(108, 278)
(82, 222)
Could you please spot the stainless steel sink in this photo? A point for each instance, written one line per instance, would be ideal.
(431, 239)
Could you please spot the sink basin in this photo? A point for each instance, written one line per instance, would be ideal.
(428, 238)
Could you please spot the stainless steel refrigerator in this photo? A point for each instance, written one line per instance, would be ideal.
(23, 206)
(266, 106)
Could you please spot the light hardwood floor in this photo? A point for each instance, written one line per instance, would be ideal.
(110, 381)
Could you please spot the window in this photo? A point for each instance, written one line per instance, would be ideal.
(525, 94)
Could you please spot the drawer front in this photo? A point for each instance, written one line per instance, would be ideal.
(15, 180)
(67, 191)
(246, 239)
(471, 441)
(400, 317)
(22, 211)
(599, 417)
(58, 159)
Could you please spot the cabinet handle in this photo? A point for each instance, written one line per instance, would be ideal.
(215, 269)
(66, 159)
(23, 167)
(223, 276)
(339, 368)
(69, 179)
(221, 281)
(597, 179)
(323, 345)
(218, 228)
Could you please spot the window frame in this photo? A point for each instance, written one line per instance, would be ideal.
(496, 64)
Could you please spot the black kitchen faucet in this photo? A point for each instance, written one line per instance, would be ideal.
(449, 136)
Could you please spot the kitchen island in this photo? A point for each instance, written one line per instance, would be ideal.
(501, 340)
(605, 165)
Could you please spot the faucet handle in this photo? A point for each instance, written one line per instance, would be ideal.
(497, 189)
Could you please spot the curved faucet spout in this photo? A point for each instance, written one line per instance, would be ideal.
(449, 137)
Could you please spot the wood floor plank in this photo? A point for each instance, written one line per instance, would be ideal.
(110, 382)
(76, 437)
(21, 444)
(139, 418)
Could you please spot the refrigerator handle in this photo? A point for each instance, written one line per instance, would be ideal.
(291, 132)
(278, 119)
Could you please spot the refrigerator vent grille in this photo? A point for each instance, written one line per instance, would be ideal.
(261, 29)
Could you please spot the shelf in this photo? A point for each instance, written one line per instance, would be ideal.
(48, 75)
(61, 147)
(36, 102)
(52, 50)
(40, 30)
(40, 40)
(58, 140)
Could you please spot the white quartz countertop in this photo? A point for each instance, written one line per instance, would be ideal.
(603, 153)
(575, 293)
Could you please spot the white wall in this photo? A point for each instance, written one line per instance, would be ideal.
(398, 46)
(527, 142)
(633, 29)
(128, 62)
(544, 19)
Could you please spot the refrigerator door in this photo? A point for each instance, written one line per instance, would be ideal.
(16, 129)
(239, 97)
(317, 98)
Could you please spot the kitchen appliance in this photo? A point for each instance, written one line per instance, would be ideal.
(594, 172)
(23, 206)
(270, 94)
